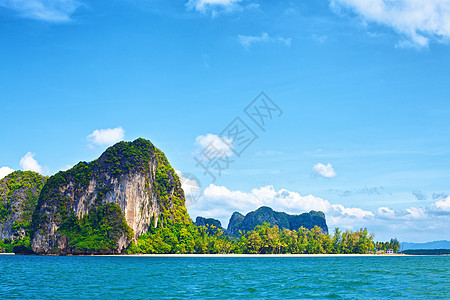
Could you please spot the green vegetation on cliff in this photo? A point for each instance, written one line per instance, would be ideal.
(166, 180)
(98, 231)
(88, 187)
(265, 214)
(19, 192)
(170, 238)
(25, 185)
(121, 158)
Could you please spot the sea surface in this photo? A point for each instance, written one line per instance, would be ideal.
(75, 277)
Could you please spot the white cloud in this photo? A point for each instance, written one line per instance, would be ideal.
(219, 146)
(220, 202)
(28, 163)
(347, 218)
(5, 171)
(441, 206)
(351, 212)
(385, 212)
(214, 6)
(204, 4)
(248, 40)
(326, 171)
(414, 213)
(106, 137)
(411, 224)
(57, 11)
(418, 21)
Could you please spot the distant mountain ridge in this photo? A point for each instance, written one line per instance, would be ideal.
(264, 214)
(425, 246)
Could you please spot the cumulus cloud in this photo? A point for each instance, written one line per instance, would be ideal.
(417, 21)
(385, 212)
(411, 224)
(215, 144)
(359, 213)
(106, 137)
(441, 206)
(28, 163)
(56, 11)
(220, 202)
(326, 171)
(248, 40)
(5, 171)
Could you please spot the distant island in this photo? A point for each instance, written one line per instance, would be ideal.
(130, 201)
(240, 224)
(427, 252)
(425, 246)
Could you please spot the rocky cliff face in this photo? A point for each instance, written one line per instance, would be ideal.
(19, 192)
(235, 222)
(131, 180)
(283, 220)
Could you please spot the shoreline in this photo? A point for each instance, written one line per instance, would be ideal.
(255, 255)
(231, 255)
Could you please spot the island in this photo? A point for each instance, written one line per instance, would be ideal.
(130, 201)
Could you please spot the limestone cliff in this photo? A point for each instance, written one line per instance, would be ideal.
(265, 214)
(101, 206)
(234, 224)
(19, 192)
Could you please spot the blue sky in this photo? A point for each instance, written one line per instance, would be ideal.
(363, 86)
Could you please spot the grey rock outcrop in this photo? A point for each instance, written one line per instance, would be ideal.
(265, 214)
(136, 176)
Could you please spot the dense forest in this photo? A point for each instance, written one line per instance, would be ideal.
(94, 233)
(264, 239)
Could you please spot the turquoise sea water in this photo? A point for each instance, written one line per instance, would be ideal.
(71, 277)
